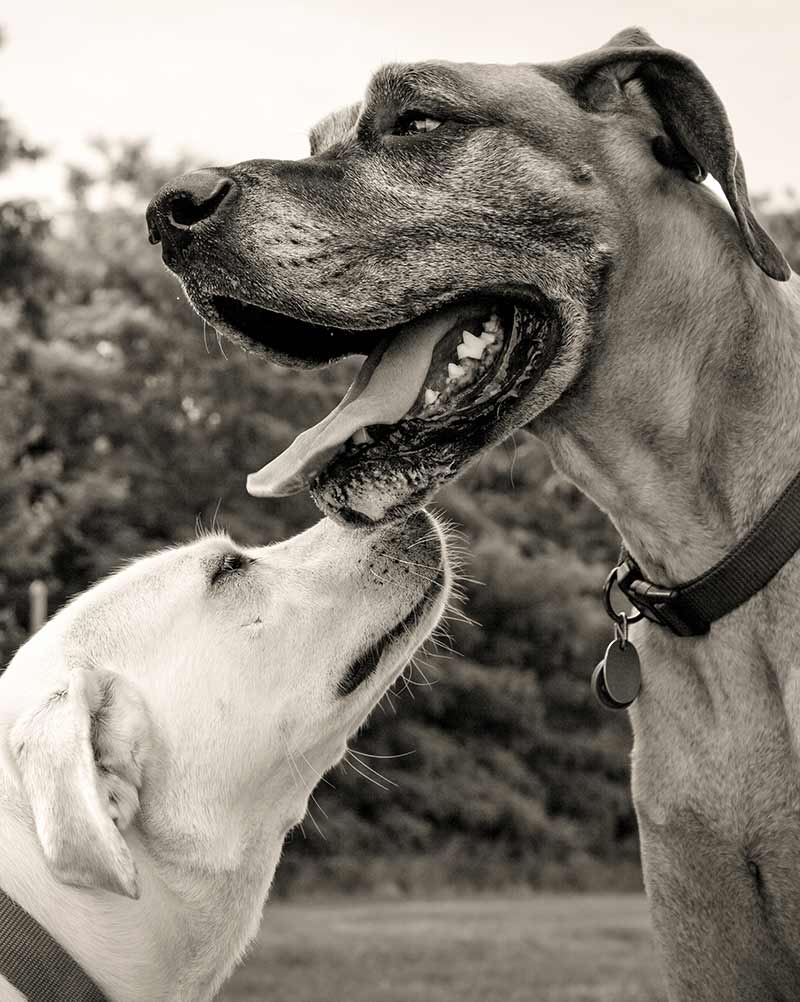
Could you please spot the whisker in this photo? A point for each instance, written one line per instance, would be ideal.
(415, 563)
(310, 793)
(429, 579)
(402, 677)
(317, 773)
(513, 461)
(214, 525)
(460, 617)
(373, 781)
(387, 698)
(433, 654)
(425, 680)
(380, 775)
(445, 647)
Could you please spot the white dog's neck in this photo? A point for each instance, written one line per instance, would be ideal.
(178, 942)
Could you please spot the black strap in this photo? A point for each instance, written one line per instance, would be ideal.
(36, 964)
(690, 609)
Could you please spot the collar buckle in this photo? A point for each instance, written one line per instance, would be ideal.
(656, 603)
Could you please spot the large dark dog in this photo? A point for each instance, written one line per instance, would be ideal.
(528, 245)
(547, 195)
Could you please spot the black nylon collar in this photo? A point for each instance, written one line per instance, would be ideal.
(689, 609)
(35, 964)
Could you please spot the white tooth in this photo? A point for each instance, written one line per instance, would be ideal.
(431, 396)
(493, 324)
(473, 345)
(469, 351)
(362, 436)
(454, 371)
(487, 338)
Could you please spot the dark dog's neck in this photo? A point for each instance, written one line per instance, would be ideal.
(686, 425)
(685, 428)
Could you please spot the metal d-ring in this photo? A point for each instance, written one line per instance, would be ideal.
(621, 619)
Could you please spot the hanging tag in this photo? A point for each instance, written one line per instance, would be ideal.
(616, 681)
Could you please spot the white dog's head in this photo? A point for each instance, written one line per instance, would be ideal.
(176, 698)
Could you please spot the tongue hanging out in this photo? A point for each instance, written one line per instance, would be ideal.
(389, 384)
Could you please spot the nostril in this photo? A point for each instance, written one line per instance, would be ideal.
(186, 209)
(153, 232)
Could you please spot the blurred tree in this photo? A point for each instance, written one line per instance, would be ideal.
(26, 283)
(784, 227)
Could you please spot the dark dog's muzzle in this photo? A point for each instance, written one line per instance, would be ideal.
(184, 205)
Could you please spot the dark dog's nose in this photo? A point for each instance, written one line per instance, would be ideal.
(185, 203)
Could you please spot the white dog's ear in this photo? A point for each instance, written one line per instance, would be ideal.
(80, 755)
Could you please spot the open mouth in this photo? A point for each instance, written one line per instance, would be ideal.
(288, 340)
(436, 377)
(367, 662)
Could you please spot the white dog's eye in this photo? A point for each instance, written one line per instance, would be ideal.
(228, 563)
(412, 123)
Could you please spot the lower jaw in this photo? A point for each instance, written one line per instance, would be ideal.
(357, 497)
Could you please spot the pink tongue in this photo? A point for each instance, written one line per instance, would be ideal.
(388, 383)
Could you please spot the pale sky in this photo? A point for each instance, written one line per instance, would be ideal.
(236, 80)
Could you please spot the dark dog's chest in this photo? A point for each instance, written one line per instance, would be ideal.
(725, 906)
(716, 787)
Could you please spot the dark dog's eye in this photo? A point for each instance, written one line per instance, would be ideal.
(228, 563)
(413, 123)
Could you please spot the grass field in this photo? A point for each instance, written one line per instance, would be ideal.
(548, 948)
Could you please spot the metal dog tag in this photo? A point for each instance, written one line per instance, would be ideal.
(616, 681)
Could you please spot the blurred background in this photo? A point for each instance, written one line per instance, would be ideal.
(481, 842)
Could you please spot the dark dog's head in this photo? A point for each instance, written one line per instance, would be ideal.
(463, 227)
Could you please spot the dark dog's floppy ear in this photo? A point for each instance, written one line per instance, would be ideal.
(80, 755)
(692, 115)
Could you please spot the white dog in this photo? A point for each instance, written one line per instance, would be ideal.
(162, 733)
